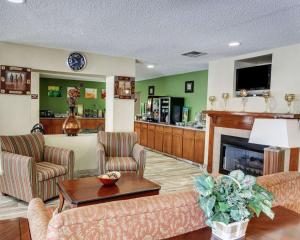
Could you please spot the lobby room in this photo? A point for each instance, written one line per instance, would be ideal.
(130, 119)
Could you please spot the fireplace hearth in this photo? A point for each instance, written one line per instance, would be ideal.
(237, 153)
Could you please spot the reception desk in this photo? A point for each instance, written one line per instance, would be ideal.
(84, 147)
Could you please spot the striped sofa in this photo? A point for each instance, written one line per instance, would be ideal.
(32, 169)
(119, 151)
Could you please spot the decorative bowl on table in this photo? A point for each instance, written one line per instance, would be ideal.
(110, 178)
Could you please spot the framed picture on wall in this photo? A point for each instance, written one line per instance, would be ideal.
(124, 87)
(15, 80)
(91, 93)
(151, 90)
(189, 86)
(54, 91)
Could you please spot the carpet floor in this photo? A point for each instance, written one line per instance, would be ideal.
(171, 174)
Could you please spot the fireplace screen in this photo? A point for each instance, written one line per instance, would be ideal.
(237, 153)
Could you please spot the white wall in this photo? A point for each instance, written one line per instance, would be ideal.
(119, 112)
(285, 78)
(19, 113)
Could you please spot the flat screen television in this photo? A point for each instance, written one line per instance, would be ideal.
(254, 79)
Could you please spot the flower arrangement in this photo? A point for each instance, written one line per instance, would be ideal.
(232, 198)
(74, 94)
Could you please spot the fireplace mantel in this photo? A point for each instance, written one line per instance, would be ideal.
(244, 120)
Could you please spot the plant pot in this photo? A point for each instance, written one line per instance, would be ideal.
(231, 231)
(71, 125)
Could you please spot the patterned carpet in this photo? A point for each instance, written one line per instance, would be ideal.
(170, 173)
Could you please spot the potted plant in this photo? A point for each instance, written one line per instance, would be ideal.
(230, 201)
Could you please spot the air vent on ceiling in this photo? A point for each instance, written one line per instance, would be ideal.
(194, 54)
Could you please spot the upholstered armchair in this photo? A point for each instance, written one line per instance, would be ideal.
(119, 151)
(32, 169)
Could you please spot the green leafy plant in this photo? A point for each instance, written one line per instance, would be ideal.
(232, 198)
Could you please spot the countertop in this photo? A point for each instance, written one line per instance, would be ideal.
(174, 126)
(66, 117)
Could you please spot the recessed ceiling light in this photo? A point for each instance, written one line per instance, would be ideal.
(16, 1)
(150, 66)
(234, 44)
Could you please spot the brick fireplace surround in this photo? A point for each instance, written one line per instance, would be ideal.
(244, 120)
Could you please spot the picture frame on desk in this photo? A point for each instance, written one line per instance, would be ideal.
(15, 80)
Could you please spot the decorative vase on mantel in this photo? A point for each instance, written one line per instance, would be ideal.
(71, 125)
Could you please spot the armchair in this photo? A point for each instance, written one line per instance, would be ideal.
(119, 151)
(31, 169)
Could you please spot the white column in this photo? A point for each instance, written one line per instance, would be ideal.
(119, 115)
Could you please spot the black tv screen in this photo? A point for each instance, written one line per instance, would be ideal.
(253, 78)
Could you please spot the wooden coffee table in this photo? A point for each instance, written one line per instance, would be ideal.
(285, 226)
(87, 191)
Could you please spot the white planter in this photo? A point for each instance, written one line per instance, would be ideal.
(231, 231)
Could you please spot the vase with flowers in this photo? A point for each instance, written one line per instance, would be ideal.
(230, 201)
(71, 125)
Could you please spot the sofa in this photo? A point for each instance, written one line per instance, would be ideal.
(31, 169)
(119, 151)
(155, 217)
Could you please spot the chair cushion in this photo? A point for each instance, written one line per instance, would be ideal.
(30, 145)
(47, 170)
(120, 164)
(118, 144)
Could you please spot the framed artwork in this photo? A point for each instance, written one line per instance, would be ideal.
(151, 90)
(124, 87)
(90, 93)
(189, 86)
(54, 91)
(15, 80)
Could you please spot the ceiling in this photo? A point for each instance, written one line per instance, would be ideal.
(156, 31)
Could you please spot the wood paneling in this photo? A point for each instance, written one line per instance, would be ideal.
(177, 142)
(151, 136)
(14, 229)
(238, 120)
(144, 134)
(137, 129)
(199, 147)
(159, 138)
(54, 125)
(273, 161)
(167, 143)
(188, 145)
(294, 159)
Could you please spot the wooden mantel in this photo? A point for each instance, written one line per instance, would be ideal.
(244, 120)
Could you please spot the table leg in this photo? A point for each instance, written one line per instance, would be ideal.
(61, 202)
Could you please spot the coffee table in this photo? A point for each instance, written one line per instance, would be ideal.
(90, 190)
(285, 226)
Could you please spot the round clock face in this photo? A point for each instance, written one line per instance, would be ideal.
(76, 61)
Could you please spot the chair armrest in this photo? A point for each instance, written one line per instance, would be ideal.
(101, 157)
(60, 156)
(139, 155)
(18, 179)
(38, 218)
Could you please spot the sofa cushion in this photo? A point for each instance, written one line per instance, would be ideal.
(121, 164)
(47, 170)
(30, 145)
(118, 144)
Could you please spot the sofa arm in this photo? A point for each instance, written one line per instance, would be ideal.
(101, 158)
(38, 218)
(139, 155)
(18, 179)
(60, 156)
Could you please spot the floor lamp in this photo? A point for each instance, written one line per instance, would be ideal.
(279, 134)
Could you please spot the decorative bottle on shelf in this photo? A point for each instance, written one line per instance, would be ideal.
(71, 125)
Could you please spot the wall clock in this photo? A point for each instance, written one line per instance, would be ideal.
(76, 61)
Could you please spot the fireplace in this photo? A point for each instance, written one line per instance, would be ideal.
(237, 153)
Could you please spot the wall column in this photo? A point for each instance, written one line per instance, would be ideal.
(119, 115)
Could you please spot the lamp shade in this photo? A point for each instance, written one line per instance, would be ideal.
(283, 133)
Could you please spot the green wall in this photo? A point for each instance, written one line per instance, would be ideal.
(59, 104)
(174, 86)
